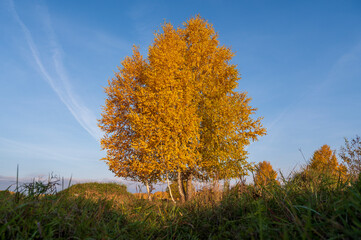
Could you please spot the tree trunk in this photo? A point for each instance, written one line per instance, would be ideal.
(148, 191)
(180, 187)
(189, 187)
(216, 191)
(170, 190)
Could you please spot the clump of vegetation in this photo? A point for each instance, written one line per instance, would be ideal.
(39, 188)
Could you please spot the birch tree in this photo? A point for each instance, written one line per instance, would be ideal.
(177, 114)
(324, 161)
(265, 174)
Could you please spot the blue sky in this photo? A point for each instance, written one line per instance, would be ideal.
(300, 61)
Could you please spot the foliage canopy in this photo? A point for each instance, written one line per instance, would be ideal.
(265, 174)
(324, 161)
(177, 113)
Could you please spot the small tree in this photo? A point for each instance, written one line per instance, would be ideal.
(265, 174)
(351, 156)
(324, 161)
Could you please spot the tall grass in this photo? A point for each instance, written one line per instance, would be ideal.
(297, 209)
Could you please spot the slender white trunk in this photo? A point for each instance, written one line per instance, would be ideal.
(148, 190)
(170, 190)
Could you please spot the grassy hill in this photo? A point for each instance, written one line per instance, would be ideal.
(95, 191)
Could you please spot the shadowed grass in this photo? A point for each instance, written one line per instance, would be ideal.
(107, 211)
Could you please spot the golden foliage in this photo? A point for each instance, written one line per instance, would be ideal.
(324, 161)
(161, 195)
(141, 195)
(226, 125)
(156, 195)
(265, 174)
(177, 110)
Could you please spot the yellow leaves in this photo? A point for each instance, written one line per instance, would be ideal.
(177, 110)
(324, 161)
(265, 174)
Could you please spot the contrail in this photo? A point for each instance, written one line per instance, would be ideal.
(81, 113)
(35, 150)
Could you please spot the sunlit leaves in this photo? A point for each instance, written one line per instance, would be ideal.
(178, 110)
(265, 174)
(324, 161)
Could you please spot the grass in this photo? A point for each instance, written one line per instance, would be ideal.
(317, 210)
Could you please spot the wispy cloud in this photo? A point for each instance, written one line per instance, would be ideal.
(30, 149)
(59, 82)
(346, 66)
